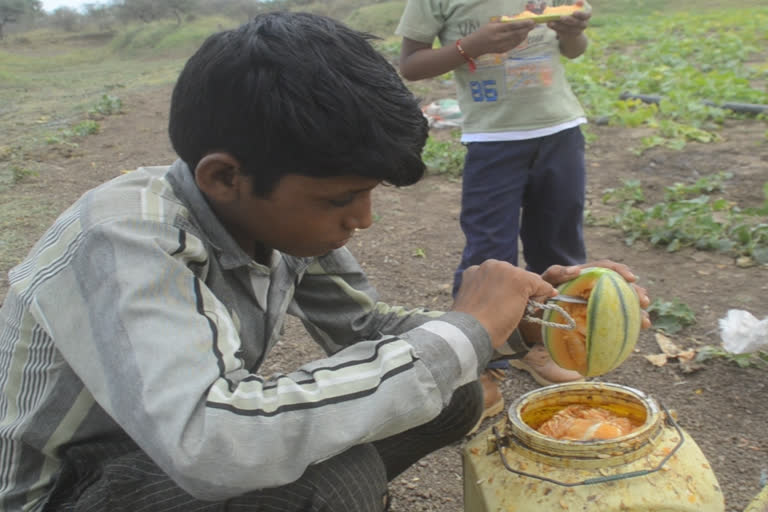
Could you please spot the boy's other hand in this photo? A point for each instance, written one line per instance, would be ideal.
(571, 26)
(496, 294)
(497, 37)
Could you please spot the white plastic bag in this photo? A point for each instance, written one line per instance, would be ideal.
(443, 113)
(742, 333)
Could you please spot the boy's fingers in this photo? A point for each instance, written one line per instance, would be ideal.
(642, 294)
(646, 320)
(620, 268)
(558, 274)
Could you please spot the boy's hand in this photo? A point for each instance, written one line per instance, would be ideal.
(496, 294)
(572, 26)
(497, 37)
(558, 274)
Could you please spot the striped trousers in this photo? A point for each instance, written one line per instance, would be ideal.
(119, 477)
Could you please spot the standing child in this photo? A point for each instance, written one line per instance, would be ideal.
(524, 171)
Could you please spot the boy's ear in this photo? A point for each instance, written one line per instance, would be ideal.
(218, 176)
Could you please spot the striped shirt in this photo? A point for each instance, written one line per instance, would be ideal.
(136, 312)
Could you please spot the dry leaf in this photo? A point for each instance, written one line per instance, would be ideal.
(667, 346)
(657, 359)
(686, 356)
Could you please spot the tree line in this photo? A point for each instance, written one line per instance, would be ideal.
(27, 14)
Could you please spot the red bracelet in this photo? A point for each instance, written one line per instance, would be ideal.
(470, 60)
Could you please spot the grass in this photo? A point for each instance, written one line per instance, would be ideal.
(44, 96)
(22, 219)
(616, 11)
(166, 37)
(49, 91)
(380, 19)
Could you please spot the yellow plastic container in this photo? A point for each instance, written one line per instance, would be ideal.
(657, 468)
(760, 503)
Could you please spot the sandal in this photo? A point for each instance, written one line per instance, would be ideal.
(543, 369)
(493, 400)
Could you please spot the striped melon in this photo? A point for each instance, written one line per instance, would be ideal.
(607, 327)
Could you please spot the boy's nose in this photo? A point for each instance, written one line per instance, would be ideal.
(361, 216)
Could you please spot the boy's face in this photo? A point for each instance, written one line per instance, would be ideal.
(303, 216)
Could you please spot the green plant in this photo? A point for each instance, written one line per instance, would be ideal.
(444, 156)
(60, 139)
(87, 127)
(710, 352)
(699, 64)
(630, 193)
(671, 316)
(20, 173)
(108, 105)
(691, 216)
(419, 253)
(704, 185)
(634, 113)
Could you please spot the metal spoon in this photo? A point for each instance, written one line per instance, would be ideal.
(569, 298)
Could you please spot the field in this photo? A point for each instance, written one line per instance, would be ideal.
(678, 191)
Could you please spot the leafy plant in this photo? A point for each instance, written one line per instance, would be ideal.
(87, 127)
(630, 193)
(671, 316)
(684, 78)
(20, 173)
(444, 156)
(691, 216)
(60, 138)
(108, 105)
(709, 352)
(634, 113)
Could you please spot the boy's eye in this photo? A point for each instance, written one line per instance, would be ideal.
(344, 201)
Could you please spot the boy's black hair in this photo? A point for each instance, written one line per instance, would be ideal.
(297, 93)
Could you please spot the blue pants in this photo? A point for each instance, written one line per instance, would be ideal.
(532, 189)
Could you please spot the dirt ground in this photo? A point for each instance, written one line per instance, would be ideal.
(412, 249)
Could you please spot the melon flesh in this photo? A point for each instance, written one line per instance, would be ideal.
(548, 14)
(584, 423)
(565, 10)
(571, 352)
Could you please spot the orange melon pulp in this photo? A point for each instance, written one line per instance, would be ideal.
(548, 13)
(584, 423)
(565, 10)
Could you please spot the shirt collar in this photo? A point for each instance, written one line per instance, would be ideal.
(231, 255)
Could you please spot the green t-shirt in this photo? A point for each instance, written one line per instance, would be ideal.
(521, 90)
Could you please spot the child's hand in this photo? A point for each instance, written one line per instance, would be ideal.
(497, 37)
(496, 293)
(571, 26)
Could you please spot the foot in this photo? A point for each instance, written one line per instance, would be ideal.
(493, 401)
(543, 369)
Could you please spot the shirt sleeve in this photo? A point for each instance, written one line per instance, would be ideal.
(160, 353)
(421, 20)
(451, 346)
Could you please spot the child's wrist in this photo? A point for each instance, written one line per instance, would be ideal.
(469, 60)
